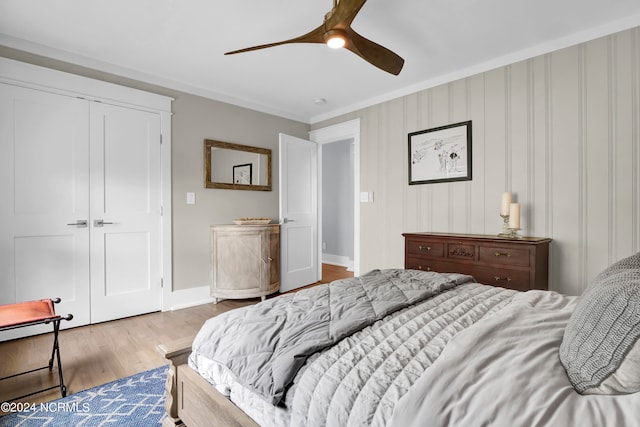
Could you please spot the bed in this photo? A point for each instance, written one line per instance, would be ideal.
(406, 348)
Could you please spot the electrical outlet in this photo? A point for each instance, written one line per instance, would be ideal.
(191, 198)
(324, 246)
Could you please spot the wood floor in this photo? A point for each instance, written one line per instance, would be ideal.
(334, 272)
(96, 354)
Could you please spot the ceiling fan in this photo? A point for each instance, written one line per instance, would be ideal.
(336, 32)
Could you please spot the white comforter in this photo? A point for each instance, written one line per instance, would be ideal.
(505, 371)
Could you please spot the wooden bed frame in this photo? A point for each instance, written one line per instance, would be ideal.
(190, 400)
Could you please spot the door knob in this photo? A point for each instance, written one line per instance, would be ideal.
(81, 223)
(100, 223)
(286, 220)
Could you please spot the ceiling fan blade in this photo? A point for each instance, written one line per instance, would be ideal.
(314, 36)
(344, 13)
(373, 53)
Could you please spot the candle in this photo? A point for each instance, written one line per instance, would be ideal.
(506, 201)
(514, 215)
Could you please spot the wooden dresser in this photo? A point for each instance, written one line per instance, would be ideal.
(245, 261)
(519, 264)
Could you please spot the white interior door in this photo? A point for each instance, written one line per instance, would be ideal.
(125, 218)
(44, 191)
(298, 212)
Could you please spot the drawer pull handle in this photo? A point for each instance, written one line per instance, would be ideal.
(507, 254)
(498, 278)
(424, 248)
(424, 269)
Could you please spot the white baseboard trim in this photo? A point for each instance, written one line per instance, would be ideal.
(186, 298)
(341, 260)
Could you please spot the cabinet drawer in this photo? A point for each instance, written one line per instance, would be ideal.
(511, 279)
(504, 255)
(461, 251)
(415, 263)
(425, 248)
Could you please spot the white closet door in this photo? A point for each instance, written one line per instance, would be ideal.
(44, 191)
(125, 197)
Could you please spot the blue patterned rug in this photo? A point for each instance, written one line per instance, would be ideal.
(137, 400)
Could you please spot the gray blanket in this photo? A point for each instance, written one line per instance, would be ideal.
(265, 345)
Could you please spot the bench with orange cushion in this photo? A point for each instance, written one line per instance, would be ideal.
(29, 313)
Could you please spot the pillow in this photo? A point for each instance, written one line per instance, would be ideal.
(630, 263)
(600, 350)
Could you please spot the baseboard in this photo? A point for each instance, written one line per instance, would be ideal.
(186, 298)
(341, 260)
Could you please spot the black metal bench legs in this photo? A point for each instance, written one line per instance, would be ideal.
(34, 313)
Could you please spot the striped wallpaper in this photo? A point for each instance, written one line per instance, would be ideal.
(561, 131)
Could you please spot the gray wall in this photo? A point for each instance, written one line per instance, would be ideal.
(337, 198)
(194, 119)
(561, 131)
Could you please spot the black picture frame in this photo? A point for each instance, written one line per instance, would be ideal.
(441, 154)
(243, 174)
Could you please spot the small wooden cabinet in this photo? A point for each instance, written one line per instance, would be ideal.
(519, 264)
(245, 261)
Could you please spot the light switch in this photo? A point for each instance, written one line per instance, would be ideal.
(191, 198)
(366, 196)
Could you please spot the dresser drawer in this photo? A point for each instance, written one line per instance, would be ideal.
(424, 264)
(504, 255)
(461, 251)
(511, 279)
(425, 248)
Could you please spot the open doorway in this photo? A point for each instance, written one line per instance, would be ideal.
(339, 170)
(337, 207)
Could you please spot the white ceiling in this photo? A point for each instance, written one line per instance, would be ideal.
(180, 44)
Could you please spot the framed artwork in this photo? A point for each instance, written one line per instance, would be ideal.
(441, 154)
(242, 174)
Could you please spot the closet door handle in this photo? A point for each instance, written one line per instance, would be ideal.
(81, 223)
(100, 223)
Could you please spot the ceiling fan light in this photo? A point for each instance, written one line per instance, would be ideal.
(335, 42)
(335, 39)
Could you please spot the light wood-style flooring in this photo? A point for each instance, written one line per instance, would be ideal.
(96, 354)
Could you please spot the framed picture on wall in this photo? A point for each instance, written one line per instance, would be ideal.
(441, 154)
(242, 174)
